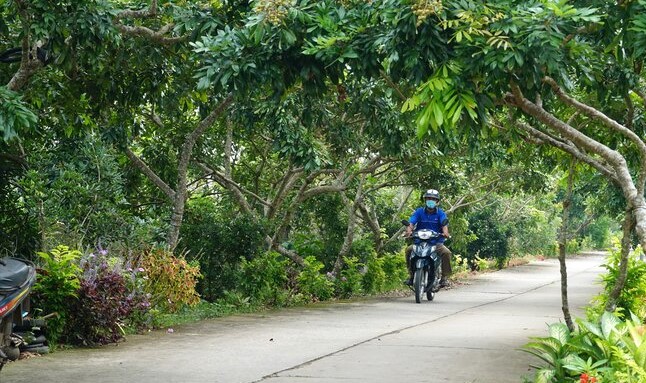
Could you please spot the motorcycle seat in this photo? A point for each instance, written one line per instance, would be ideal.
(13, 273)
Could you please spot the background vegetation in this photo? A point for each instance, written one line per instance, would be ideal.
(232, 155)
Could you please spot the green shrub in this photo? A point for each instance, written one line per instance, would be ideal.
(312, 284)
(632, 298)
(374, 280)
(532, 231)
(491, 239)
(608, 349)
(217, 241)
(349, 282)
(171, 280)
(394, 266)
(481, 263)
(599, 231)
(264, 279)
(573, 246)
(56, 286)
(459, 264)
(104, 303)
(234, 300)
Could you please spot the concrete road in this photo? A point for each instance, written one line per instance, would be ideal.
(470, 333)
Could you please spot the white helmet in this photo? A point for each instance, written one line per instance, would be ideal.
(432, 193)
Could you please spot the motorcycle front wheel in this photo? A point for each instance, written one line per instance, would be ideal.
(419, 283)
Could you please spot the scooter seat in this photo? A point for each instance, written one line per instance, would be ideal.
(13, 273)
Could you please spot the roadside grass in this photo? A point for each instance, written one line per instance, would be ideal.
(235, 304)
(202, 311)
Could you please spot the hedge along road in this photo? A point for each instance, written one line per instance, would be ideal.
(470, 333)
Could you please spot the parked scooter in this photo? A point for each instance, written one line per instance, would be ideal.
(17, 276)
(426, 264)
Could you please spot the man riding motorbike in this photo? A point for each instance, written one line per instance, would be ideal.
(430, 216)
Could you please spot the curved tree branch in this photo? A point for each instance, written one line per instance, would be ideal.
(568, 148)
(144, 168)
(634, 194)
(614, 159)
(29, 62)
(607, 121)
(158, 36)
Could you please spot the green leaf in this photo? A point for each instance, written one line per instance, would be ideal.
(609, 323)
(438, 114)
(289, 37)
(560, 332)
(591, 327)
(350, 54)
(456, 114)
(410, 104)
(544, 376)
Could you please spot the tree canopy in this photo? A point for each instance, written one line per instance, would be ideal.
(318, 122)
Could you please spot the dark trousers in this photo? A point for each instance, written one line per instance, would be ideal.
(446, 259)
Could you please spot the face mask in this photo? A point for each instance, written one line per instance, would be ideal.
(431, 204)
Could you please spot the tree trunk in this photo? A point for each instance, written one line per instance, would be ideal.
(178, 195)
(179, 199)
(371, 219)
(177, 216)
(29, 64)
(563, 239)
(639, 215)
(352, 219)
(613, 296)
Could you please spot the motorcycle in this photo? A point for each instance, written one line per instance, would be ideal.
(426, 264)
(17, 277)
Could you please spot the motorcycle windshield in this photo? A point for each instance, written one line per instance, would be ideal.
(423, 250)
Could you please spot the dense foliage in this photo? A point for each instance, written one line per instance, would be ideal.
(606, 349)
(606, 346)
(265, 154)
(105, 303)
(632, 298)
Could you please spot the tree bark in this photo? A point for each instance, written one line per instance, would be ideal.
(179, 199)
(148, 172)
(633, 191)
(563, 239)
(157, 36)
(370, 218)
(622, 273)
(352, 220)
(178, 195)
(29, 63)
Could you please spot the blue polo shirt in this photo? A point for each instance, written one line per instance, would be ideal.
(422, 219)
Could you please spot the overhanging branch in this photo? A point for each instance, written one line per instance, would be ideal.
(158, 36)
(608, 122)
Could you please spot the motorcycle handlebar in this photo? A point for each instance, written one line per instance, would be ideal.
(440, 235)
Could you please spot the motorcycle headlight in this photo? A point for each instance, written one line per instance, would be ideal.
(424, 234)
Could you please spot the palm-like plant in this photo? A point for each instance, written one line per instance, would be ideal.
(611, 349)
